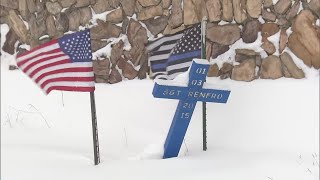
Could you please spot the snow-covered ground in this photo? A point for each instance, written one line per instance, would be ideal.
(268, 130)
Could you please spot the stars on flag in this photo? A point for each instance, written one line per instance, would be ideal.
(77, 46)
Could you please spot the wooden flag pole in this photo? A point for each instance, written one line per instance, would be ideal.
(94, 130)
(204, 105)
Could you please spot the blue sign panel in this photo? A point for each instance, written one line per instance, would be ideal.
(188, 97)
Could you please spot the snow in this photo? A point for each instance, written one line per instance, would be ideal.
(268, 130)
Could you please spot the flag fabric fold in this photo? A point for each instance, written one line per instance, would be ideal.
(61, 64)
(172, 55)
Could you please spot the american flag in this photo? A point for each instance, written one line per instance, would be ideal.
(172, 55)
(61, 64)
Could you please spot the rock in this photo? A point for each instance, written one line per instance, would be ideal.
(258, 60)
(9, 44)
(268, 47)
(23, 9)
(267, 3)
(226, 68)
(62, 22)
(139, 7)
(227, 10)
(169, 30)
(67, 3)
(292, 68)
(137, 35)
(127, 70)
(101, 6)
(136, 53)
(18, 26)
(224, 34)
(299, 49)
(115, 76)
(74, 20)
(3, 11)
(115, 16)
(150, 12)
(314, 6)
(214, 10)
(31, 6)
(13, 67)
(194, 11)
(4, 20)
(283, 23)
(269, 29)
(51, 27)
(12, 4)
(125, 25)
(82, 3)
(157, 25)
(96, 44)
(208, 50)
(271, 68)
(101, 79)
(114, 3)
(304, 42)
(268, 16)
(116, 52)
(283, 40)
(105, 30)
(128, 6)
(254, 8)
(282, 6)
(239, 11)
(101, 70)
(213, 71)
(127, 54)
(176, 17)
(285, 72)
(166, 3)
(244, 54)
(40, 6)
(144, 68)
(293, 11)
(86, 15)
(245, 71)
(218, 49)
(101, 67)
(250, 31)
(33, 43)
(147, 3)
(53, 8)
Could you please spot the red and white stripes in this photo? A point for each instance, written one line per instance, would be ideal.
(52, 69)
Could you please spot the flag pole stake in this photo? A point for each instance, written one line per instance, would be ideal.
(94, 130)
(204, 105)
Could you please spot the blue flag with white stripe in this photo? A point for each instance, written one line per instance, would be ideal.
(172, 55)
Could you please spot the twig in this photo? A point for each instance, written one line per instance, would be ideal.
(62, 99)
(316, 160)
(125, 135)
(308, 170)
(8, 120)
(40, 115)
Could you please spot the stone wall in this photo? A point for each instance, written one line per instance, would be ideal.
(37, 21)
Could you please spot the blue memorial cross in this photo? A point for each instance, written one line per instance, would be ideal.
(188, 97)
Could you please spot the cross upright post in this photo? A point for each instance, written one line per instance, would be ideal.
(188, 97)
